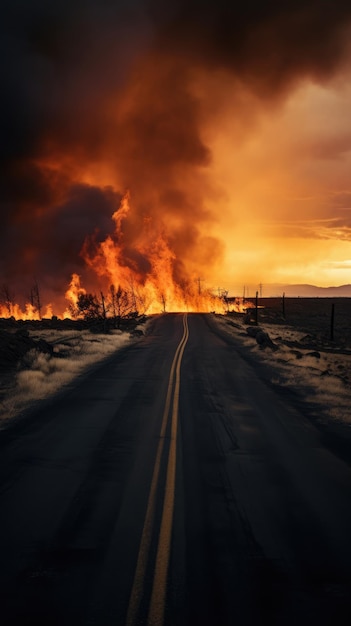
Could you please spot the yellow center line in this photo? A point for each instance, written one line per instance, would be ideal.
(158, 596)
(139, 576)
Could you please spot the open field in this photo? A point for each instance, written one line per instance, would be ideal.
(299, 352)
(311, 316)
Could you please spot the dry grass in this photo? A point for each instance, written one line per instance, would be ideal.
(311, 316)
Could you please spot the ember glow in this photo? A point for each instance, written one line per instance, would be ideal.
(147, 272)
(149, 269)
(173, 150)
(29, 312)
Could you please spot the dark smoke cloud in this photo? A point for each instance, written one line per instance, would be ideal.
(95, 80)
(267, 45)
(60, 61)
(46, 246)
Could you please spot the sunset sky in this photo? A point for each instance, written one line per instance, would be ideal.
(229, 124)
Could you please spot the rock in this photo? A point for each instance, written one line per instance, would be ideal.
(137, 332)
(263, 339)
(253, 330)
(314, 353)
(297, 353)
(44, 346)
(14, 346)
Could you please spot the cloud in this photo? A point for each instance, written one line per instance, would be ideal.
(339, 265)
(267, 45)
(341, 200)
(48, 234)
(100, 96)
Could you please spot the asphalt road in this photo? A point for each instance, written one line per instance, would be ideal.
(173, 486)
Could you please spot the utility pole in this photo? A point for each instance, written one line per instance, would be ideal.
(261, 287)
(35, 297)
(199, 280)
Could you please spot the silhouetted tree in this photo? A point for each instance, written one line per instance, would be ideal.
(133, 298)
(7, 298)
(103, 307)
(163, 302)
(143, 302)
(87, 307)
(34, 297)
(113, 303)
(123, 304)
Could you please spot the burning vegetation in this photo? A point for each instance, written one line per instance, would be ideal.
(134, 280)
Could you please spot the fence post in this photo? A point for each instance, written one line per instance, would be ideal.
(332, 322)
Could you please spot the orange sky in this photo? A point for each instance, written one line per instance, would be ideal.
(228, 124)
(284, 192)
(278, 186)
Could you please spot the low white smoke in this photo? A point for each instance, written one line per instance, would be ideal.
(323, 380)
(44, 375)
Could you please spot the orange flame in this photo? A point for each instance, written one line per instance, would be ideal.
(156, 287)
(238, 305)
(72, 294)
(29, 312)
(147, 270)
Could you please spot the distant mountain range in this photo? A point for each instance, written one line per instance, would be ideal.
(305, 291)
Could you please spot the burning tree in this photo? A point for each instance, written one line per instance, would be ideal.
(148, 271)
(163, 302)
(87, 307)
(122, 303)
(7, 299)
(34, 298)
(150, 276)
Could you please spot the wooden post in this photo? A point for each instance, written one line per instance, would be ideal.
(256, 311)
(103, 310)
(332, 322)
(283, 304)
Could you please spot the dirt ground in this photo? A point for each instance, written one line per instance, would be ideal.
(312, 316)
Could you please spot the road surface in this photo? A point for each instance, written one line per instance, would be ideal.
(173, 486)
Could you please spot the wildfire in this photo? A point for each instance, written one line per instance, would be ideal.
(148, 269)
(136, 275)
(72, 294)
(29, 312)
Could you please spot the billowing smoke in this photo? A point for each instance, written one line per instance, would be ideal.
(101, 96)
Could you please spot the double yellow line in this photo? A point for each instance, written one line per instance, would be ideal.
(158, 594)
